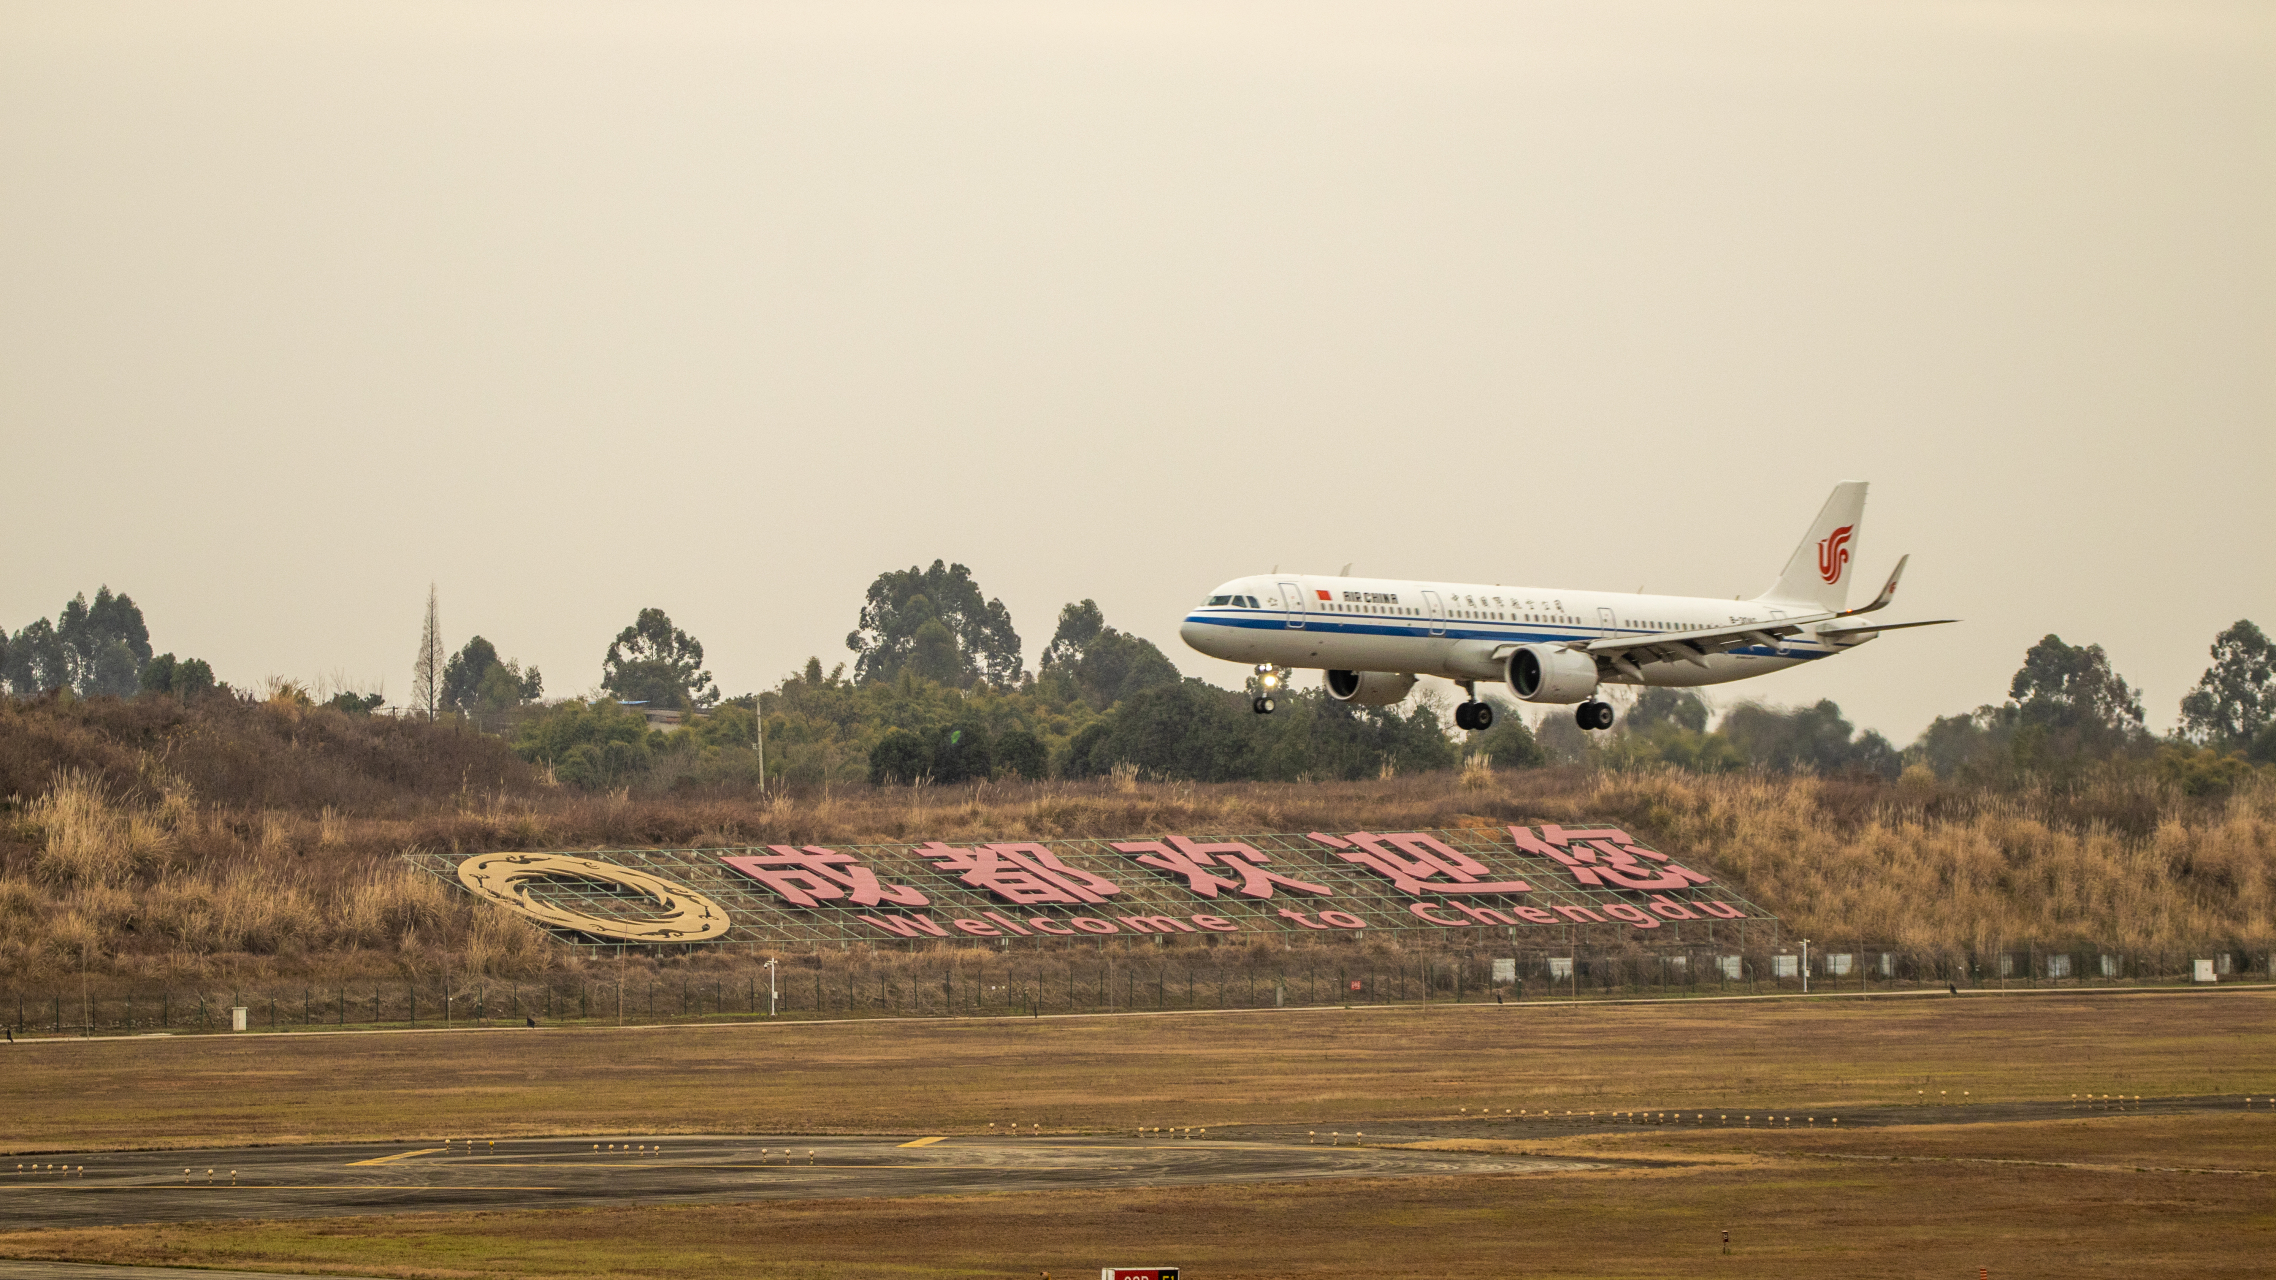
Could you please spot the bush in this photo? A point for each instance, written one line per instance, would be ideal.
(589, 744)
(1020, 754)
(899, 758)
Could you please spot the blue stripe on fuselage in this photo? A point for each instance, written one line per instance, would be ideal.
(1336, 625)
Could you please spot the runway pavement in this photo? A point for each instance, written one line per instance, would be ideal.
(343, 1179)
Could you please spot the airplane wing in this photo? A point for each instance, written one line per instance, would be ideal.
(1695, 646)
(1868, 628)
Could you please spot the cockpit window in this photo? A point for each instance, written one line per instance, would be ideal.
(1252, 602)
(1215, 600)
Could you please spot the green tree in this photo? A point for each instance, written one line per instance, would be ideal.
(37, 661)
(935, 622)
(900, 758)
(1106, 664)
(185, 678)
(1510, 743)
(2073, 687)
(475, 679)
(589, 744)
(655, 662)
(962, 753)
(1683, 708)
(1020, 754)
(2235, 700)
(1816, 737)
(105, 643)
(1189, 730)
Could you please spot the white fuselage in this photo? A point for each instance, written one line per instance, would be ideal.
(1456, 629)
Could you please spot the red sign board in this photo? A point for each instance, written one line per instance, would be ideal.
(1138, 1273)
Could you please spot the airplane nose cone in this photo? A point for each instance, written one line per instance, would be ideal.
(1196, 635)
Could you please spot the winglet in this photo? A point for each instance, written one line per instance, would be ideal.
(1888, 591)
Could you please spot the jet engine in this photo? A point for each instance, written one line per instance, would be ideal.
(1369, 688)
(1551, 673)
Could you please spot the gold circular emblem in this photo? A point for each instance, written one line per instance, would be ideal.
(682, 914)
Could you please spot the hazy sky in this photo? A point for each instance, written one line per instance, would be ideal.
(577, 308)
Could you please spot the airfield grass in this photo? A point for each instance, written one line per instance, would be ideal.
(1794, 1211)
(2090, 1193)
(1316, 1067)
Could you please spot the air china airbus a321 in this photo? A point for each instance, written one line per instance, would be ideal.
(1545, 644)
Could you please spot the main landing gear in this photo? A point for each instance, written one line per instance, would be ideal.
(1593, 715)
(1473, 714)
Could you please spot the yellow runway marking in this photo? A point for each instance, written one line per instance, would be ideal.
(400, 1155)
(926, 1142)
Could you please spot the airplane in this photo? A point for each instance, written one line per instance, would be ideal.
(1374, 636)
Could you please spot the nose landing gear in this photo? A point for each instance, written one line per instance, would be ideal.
(1593, 715)
(1265, 685)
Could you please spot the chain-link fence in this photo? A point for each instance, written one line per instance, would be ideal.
(972, 982)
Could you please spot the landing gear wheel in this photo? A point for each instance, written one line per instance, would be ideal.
(1262, 706)
(1483, 715)
(1594, 715)
(1464, 717)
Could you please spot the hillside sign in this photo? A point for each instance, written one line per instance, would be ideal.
(1513, 878)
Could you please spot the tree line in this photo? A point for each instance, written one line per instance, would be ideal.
(937, 691)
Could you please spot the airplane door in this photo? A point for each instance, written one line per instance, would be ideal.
(1437, 612)
(1604, 620)
(1292, 605)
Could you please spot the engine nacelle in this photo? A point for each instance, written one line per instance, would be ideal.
(1369, 688)
(1550, 673)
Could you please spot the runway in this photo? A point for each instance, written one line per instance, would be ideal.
(345, 1179)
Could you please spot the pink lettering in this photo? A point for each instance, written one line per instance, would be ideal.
(1199, 864)
(1483, 915)
(978, 928)
(1155, 924)
(1632, 914)
(1720, 910)
(905, 926)
(1021, 874)
(1092, 924)
(1417, 863)
(1579, 915)
(811, 876)
(1041, 925)
(1534, 914)
(1216, 924)
(1667, 910)
(1605, 857)
(1300, 918)
(1343, 920)
(1422, 911)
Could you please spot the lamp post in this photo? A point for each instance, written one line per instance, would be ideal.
(772, 991)
(1805, 966)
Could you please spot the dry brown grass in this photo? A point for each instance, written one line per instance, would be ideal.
(155, 843)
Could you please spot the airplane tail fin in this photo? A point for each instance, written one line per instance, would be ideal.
(1817, 576)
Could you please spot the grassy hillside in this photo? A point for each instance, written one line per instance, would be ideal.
(153, 840)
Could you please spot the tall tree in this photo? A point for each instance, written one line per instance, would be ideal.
(37, 661)
(1106, 664)
(105, 644)
(476, 679)
(2235, 700)
(654, 661)
(427, 668)
(936, 623)
(2067, 686)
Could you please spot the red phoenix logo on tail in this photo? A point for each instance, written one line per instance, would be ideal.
(1833, 553)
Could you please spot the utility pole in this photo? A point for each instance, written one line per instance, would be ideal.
(1805, 966)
